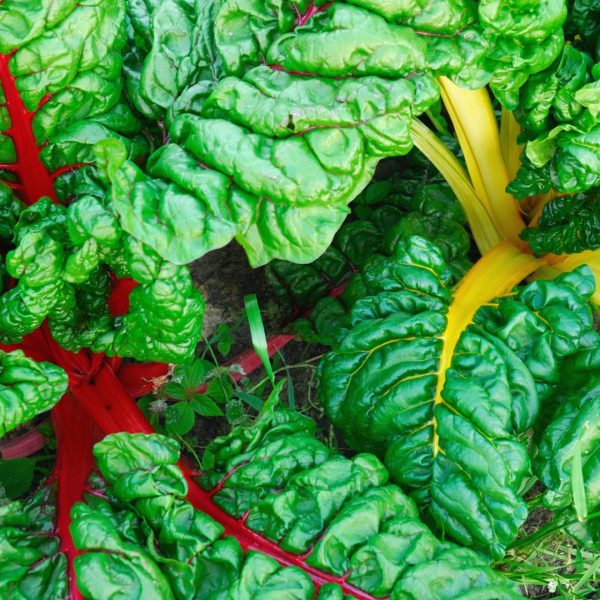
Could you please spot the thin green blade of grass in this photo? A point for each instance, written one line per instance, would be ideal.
(291, 395)
(591, 572)
(577, 485)
(257, 333)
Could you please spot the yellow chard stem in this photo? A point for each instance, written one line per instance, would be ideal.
(480, 220)
(494, 274)
(477, 132)
(511, 151)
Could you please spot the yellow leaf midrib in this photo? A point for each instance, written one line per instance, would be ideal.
(495, 274)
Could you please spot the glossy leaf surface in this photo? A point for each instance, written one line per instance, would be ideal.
(574, 430)
(452, 432)
(27, 388)
(371, 528)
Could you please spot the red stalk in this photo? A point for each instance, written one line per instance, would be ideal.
(109, 405)
(249, 361)
(118, 302)
(33, 176)
(142, 378)
(62, 170)
(310, 11)
(74, 462)
(24, 445)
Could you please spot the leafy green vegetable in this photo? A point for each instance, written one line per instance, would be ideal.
(275, 119)
(32, 565)
(574, 432)
(70, 287)
(27, 388)
(308, 167)
(388, 211)
(167, 129)
(66, 66)
(413, 201)
(362, 525)
(567, 224)
(62, 92)
(558, 112)
(448, 422)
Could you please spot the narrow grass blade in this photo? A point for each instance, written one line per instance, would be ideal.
(257, 332)
(577, 485)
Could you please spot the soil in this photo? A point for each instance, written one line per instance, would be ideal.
(224, 277)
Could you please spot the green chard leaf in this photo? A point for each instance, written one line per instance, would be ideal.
(63, 62)
(27, 388)
(31, 564)
(341, 510)
(275, 121)
(66, 63)
(567, 224)
(59, 261)
(389, 210)
(281, 184)
(450, 427)
(558, 113)
(574, 433)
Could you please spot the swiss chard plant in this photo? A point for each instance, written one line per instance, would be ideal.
(136, 137)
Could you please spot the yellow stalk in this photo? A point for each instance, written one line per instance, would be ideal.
(482, 224)
(511, 151)
(477, 132)
(565, 263)
(494, 274)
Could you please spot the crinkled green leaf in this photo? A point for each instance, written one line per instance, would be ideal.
(10, 209)
(378, 386)
(31, 566)
(66, 65)
(567, 224)
(589, 96)
(279, 184)
(386, 212)
(276, 114)
(558, 113)
(59, 261)
(150, 542)
(584, 19)
(27, 388)
(575, 428)
(7, 146)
